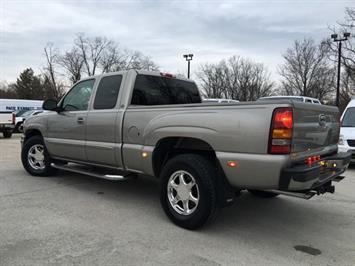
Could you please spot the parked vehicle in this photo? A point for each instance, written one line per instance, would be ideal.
(216, 100)
(16, 105)
(347, 130)
(293, 98)
(121, 124)
(7, 123)
(21, 116)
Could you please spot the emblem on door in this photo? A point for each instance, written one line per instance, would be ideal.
(322, 120)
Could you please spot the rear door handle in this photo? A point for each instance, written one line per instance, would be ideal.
(80, 120)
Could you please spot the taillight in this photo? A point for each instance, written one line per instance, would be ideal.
(281, 131)
(167, 75)
(13, 118)
(312, 159)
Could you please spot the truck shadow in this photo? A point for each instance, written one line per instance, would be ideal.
(248, 215)
(285, 220)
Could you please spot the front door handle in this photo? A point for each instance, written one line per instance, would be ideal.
(80, 120)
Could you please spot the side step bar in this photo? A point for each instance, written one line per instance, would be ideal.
(80, 169)
(301, 195)
(338, 178)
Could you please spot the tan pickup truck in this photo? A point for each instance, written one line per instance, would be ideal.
(126, 123)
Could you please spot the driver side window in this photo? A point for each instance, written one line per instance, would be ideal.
(78, 97)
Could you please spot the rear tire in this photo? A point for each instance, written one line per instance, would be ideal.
(7, 134)
(263, 194)
(35, 158)
(192, 202)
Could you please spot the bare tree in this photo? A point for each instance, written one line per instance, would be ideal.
(116, 59)
(306, 70)
(72, 62)
(249, 80)
(92, 50)
(106, 55)
(112, 59)
(347, 80)
(136, 60)
(348, 49)
(213, 81)
(347, 87)
(54, 88)
(236, 78)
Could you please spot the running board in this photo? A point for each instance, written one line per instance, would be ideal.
(85, 170)
(301, 195)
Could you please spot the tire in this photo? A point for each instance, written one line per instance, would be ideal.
(36, 167)
(16, 129)
(263, 194)
(7, 134)
(201, 170)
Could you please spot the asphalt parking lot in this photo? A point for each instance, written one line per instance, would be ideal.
(71, 219)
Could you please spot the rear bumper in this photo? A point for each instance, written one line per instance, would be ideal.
(6, 127)
(304, 177)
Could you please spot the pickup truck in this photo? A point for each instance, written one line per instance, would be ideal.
(118, 125)
(7, 123)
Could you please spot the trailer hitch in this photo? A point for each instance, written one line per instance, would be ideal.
(325, 188)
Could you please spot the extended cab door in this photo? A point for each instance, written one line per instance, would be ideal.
(65, 136)
(103, 132)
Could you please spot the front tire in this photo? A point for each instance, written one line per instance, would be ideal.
(35, 158)
(263, 194)
(187, 190)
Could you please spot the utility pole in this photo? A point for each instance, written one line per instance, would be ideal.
(339, 40)
(188, 58)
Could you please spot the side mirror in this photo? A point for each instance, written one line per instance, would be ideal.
(50, 105)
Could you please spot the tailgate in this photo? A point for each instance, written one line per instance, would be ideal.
(316, 128)
(5, 117)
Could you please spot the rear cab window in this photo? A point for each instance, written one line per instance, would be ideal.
(107, 92)
(156, 90)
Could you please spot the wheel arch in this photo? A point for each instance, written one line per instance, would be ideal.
(30, 133)
(169, 147)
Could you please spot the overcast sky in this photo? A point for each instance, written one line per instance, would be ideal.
(164, 30)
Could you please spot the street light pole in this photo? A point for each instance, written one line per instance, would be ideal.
(339, 40)
(188, 58)
(338, 78)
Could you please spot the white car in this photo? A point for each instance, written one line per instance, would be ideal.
(293, 98)
(23, 117)
(347, 130)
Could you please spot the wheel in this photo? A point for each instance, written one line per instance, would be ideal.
(16, 129)
(263, 194)
(35, 158)
(187, 190)
(7, 134)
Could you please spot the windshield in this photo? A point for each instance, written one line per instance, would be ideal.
(349, 118)
(21, 112)
(28, 113)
